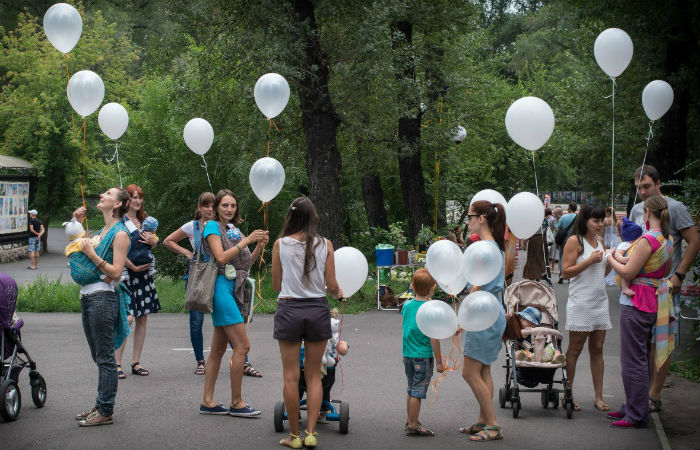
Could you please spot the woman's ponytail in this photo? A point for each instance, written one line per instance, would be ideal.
(665, 223)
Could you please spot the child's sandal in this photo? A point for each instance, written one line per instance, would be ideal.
(201, 368)
(484, 435)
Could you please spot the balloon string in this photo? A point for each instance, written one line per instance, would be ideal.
(446, 360)
(82, 176)
(269, 130)
(72, 117)
(206, 169)
(544, 243)
(340, 333)
(116, 155)
(261, 261)
(644, 161)
(612, 160)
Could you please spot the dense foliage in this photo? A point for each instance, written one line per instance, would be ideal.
(170, 61)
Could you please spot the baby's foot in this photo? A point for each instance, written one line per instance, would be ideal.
(628, 292)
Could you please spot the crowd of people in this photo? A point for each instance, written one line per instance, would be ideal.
(118, 289)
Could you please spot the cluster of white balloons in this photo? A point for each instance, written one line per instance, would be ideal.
(63, 27)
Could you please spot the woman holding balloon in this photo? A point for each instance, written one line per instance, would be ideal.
(481, 348)
(303, 268)
(587, 312)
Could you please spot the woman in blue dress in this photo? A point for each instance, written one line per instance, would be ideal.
(481, 348)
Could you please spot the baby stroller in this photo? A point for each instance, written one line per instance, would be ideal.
(530, 374)
(13, 356)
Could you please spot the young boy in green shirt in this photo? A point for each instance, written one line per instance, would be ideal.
(418, 351)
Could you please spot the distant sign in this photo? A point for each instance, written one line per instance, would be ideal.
(14, 206)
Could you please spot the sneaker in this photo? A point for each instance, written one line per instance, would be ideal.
(213, 410)
(96, 419)
(322, 417)
(246, 411)
(85, 414)
(617, 415)
(310, 440)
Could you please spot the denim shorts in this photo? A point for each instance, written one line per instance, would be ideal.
(419, 371)
(34, 244)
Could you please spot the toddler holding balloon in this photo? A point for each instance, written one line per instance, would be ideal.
(418, 351)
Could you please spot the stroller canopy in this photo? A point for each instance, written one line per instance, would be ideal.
(8, 299)
(531, 293)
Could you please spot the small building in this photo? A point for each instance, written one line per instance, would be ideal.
(18, 180)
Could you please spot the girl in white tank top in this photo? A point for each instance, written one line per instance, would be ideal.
(303, 269)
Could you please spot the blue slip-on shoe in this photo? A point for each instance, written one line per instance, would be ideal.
(246, 411)
(215, 410)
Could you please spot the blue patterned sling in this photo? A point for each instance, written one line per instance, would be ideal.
(84, 271)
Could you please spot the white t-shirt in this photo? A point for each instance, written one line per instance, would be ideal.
(292, 258)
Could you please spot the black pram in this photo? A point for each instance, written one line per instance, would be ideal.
(13, 356)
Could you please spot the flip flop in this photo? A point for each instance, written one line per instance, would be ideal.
(484, 435)
(600, 406)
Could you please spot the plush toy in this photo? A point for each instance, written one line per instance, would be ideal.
(74, 232)
(328, 358)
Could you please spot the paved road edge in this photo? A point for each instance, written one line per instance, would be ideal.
(660, 433)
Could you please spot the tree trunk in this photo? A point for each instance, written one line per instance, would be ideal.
(320, 121)
(409, 154)
(670, 155)
(373, 196)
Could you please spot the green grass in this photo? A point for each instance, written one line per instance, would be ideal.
(45, 295)
(688, 369)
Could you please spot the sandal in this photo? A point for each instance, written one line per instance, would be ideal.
(577, 407)
(405, 427)
(120, 373)
(201, 369)
(292, 441)
(140, 371)
(473, 428)
(484, 435)
(600, 405)
(654, 405)
(420, 431)
(251, 371)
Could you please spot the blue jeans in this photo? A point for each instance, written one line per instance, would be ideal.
(99, 314)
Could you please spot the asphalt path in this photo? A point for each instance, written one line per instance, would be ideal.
(161, 410)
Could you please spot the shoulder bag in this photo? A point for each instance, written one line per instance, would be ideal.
(200, 283)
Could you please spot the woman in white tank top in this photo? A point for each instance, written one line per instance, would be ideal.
(587, 313)
(303, 269)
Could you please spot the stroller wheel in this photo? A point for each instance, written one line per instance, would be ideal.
(544, 398)
(38, 390)
(554, 398)
(502, 397)
(569, 409)
(516, 407)
(11, 400)
(278, 417)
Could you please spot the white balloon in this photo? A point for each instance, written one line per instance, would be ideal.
(85, 92)
(657, 99)
(524, 214)
(63, 26)
(266, 178)
(442, 260)
(613, 51)
(530, 122)
(455, 286)
(481, 263)
(271, 94)
(113, 120)
(199, 135)
(490, 196)
(350, 270)
(436, 319)
(478, 311)
(459, 134)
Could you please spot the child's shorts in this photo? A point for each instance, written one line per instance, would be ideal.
(419, 371)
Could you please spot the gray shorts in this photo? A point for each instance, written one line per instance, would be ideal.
(419, 371)
(298, 319)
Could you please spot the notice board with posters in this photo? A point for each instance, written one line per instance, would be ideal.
(14, 206)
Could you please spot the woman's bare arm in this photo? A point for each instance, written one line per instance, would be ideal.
(276, 267)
